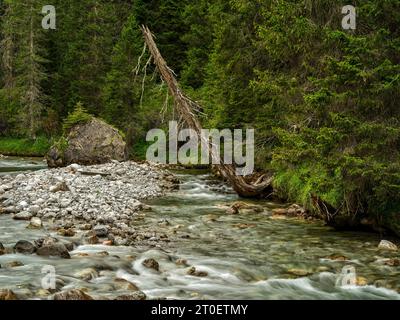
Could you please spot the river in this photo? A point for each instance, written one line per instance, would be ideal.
(246, 256)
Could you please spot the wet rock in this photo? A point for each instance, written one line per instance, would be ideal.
(361, 281)
(181, 262)
(193, 272)
(101, 231)
(123, 284)
(139, 295)
(299, 272)
(244, 225)
(232, 210)
(280, 212)
(13, 264)
(24, 247)
(35, 223)
(108, 243)
(91, 238)
(392, 262)
(337, 257)
(387, 245)
(55, 250)
(85, 227)
(87, 274)
(151, 264)
(323, 269)
(296, 211)
(2, 249)
(66, 232)
(6, 295)
(24, 215)
(74, 294)
(9, 210)
(102, 254)
(42, 293)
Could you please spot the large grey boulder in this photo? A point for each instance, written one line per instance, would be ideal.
(93, 142)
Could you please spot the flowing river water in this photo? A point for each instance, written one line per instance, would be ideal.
(246, 256)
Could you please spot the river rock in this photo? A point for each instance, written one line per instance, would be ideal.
(24, 247)
(74, 294)
(94, 142)
(66, 232)
(299, 272)
(193, 272)
(24, 215)
(2, 249)
(13, 264)
(387, 245)
(87, 274)
(6, 294)
(279, 212)
(151, 264)
(34, 209)
(8, 210)
(392, 262)
(60, 187)
(101, 231)
(35, 223)
(55, 250)
(361, 281)
(182, 262)
(122, 284)
(139, 295)
(91, 239)
(43, 293)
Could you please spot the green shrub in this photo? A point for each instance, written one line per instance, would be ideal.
(78, 116)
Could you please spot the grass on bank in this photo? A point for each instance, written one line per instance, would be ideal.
(24, 147)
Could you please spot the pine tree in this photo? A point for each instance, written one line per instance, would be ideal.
(23, 60)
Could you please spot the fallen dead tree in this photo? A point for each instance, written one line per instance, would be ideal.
(187, 109)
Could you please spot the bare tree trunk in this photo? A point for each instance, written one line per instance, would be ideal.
(187, 108)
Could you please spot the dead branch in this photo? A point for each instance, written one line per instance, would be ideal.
(187, 109)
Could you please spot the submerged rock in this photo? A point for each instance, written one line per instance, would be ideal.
(55, 250)
(299, 272)
(193, 272)
(87, 274)
(139, 295)
(74, 294)
(13, 264)
(24, 247)
(151, 264)
(66, 232)
(123, 284)
(387, 245)
(6, 294)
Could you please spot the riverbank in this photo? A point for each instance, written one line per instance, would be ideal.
(101, 199)
(24, 147)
